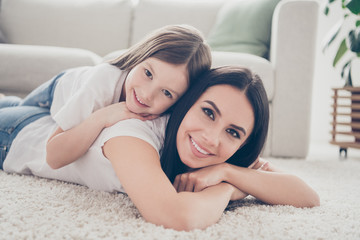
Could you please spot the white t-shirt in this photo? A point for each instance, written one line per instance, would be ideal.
(83, 90)
(27, 154)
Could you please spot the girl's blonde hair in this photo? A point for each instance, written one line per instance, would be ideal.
(175, 44)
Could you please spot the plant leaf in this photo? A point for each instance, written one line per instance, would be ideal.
(326, 10)
(353, 6)
(354, 40)
(331, 36)
(344, 69)
(357, 23)
(340, 52)
(346, 74)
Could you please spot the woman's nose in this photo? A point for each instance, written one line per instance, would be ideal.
(212, 137)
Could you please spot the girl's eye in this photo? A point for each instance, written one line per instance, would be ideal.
(148, 73)
(233, 133)
(209, 113)
(167, 93)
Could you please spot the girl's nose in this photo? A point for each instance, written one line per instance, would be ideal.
(147, 93)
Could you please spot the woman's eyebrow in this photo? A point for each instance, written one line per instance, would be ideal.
(239, 128)
(218, 112)
(214, 106)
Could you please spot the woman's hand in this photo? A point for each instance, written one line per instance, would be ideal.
(237, 194)
(198, 180)
(118, 111)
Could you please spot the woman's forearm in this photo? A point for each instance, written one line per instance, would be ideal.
(64, 147)
(204, 208)
(272, 187)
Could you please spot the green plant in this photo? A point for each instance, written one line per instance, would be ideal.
(351, 42)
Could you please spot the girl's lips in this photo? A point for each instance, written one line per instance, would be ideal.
(138, 101)
(197, 150)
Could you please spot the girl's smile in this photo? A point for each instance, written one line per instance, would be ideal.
(137, 100)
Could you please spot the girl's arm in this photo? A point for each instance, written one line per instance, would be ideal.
(138, 168)
(261, 180)
(64, 147)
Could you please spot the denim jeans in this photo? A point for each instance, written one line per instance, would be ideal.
(42, 96)
(16, 113)
(12, 121)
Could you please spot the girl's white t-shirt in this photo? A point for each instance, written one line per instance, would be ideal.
(27, 153)
(83, 90)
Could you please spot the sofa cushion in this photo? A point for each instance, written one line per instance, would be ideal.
(24, 67)
(258, 65)
(243, 26)
(152, 14)
(98, 26)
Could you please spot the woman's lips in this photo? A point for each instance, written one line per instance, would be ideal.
(197, 150)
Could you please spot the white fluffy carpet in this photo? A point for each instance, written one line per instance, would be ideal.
(34, 208)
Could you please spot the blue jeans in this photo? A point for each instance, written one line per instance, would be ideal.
(12, 121)
(16, 113)
(42, 96)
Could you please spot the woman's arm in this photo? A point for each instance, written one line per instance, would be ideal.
(138, 168)
(261, 180)
(65, 147)
(273, 187)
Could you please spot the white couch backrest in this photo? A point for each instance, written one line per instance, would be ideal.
(152, 14)
(67, 23)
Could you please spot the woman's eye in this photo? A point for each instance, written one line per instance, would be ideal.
(233, 133)
(148, 73)
(167, 93)
(209, 113)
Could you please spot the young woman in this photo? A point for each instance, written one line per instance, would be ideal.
(215, 134)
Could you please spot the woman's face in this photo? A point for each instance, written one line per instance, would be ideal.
(215, 127)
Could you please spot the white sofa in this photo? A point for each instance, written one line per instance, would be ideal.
(45, 37)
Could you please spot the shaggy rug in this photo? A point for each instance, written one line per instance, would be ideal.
(35, 208)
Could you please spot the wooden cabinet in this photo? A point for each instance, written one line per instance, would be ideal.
(346, 118)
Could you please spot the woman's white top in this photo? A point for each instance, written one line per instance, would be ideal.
(27, 154)
(79, 92)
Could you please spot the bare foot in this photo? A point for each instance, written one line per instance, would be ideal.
(1, 95)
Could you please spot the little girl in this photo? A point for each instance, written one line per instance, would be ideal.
(142, 83)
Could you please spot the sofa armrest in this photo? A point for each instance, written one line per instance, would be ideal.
(24, 67)
(292, 53)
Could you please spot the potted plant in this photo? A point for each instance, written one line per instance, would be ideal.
(347, 51)
(350, 44)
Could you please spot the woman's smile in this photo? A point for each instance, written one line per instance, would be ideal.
(198, 150)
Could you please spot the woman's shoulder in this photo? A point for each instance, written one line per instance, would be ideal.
(151, 131)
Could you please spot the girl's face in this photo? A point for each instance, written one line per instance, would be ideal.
(215, 127)
(152, 86)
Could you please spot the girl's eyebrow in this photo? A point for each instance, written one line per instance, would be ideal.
(218, 112)
(154, 74)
